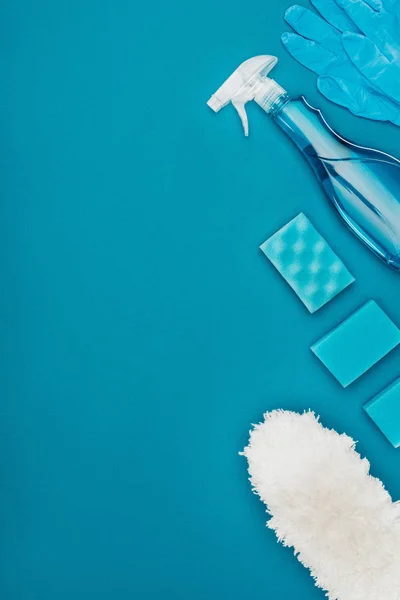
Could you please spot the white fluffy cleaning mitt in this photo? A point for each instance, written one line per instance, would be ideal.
(340, 521)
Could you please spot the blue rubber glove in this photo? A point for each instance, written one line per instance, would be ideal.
(376, 54)
(319, 46)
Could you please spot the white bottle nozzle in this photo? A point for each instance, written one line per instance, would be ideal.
(243, 85)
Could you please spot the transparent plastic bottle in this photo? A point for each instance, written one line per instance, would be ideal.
(362, 183)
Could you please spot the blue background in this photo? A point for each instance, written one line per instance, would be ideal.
(142, 330)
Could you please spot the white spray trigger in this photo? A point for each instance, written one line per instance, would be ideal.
(242, 86)
(240, 107)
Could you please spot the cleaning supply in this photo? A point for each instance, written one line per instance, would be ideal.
(357, 343)
(307, 263)
(363, 184)
(322, 502)
(380, 70)
(333, 48)
(376, 53)
(384, 410)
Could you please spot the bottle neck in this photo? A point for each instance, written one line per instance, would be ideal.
(308, 129)
(280, 104)
(271, 96)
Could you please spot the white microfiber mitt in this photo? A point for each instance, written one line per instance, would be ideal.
(340, 521)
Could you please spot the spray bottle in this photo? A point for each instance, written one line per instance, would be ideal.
(363, 184)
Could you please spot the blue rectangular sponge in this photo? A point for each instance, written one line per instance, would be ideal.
(384, 410)
(357, 343)
(307, 262)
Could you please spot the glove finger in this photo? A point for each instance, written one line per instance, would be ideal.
(391, 6)
(361, 13)
(360, 100)
(335, 15)
(337, 91)
(381, 27)
(376, 4)
(381, 72)
(311, 26)
(365, 55)
(309, 53)
(389, 81)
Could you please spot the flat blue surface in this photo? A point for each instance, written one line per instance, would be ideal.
(357, 343)
(384, 410)
(142, 329)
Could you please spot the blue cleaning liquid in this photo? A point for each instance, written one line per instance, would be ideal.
(363, 184)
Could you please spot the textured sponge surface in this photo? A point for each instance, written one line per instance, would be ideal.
(307, 262)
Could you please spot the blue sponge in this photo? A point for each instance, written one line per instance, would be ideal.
(307, 262)
(384, 410)
(357, 343)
